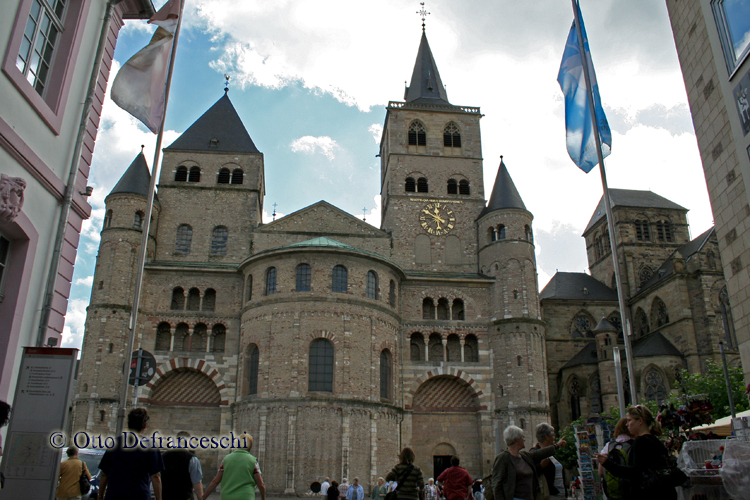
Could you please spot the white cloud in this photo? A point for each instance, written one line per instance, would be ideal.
(86, 281)
(376, 130)
(373, 215)
(311, 145)
(75, 320)
(268, 218)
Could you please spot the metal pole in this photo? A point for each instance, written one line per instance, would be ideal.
(146, 229)
(138, 364)
(618, 378)
(607, 204)
(726, 379)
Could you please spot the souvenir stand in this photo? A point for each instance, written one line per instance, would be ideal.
(590, 438)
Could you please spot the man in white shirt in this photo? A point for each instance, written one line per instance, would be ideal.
(324, 487)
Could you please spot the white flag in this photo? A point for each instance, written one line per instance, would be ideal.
(140, 85)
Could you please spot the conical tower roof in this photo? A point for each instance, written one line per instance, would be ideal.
(220, 129)
(426, 86)
(504, 193)
(136, 179)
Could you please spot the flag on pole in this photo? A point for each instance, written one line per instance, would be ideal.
(580, 137)
(140, 85)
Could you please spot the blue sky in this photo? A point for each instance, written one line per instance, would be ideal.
(311, 79)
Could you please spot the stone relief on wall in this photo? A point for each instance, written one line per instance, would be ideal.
(11, 196)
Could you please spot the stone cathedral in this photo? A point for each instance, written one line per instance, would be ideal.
(335, 343)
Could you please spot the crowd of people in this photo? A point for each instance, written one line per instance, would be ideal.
(634, 458)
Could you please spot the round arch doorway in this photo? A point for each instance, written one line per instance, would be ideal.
(441, 458)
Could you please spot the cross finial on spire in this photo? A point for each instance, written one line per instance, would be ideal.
(274, 211)
(226, 83)
(364, 214)
(423, 13)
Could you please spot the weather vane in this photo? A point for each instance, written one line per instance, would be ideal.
(423, 12)
(226, 82)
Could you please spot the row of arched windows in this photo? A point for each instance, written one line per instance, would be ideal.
(339, 282)
(321, 364)
(194, 300)
(497, 233)
(196, 340)
(444, 310)
(582, 325)
(420, 185)
(193, 174)
(418, 134)
(659, 317)
(184, 240)
(433, 348)
(664, 230)
(601, 245)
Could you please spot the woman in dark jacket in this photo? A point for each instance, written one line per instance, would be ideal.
(514, 473)
(333, 491)
(409, 476)
(646, 454)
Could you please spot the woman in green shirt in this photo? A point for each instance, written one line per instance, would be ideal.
(239, 474)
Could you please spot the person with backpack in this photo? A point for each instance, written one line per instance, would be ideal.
(614, 487)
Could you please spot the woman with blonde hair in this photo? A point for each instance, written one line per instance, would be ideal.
(239, 473)
(408, 476)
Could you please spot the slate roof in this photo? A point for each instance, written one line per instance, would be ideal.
(586, 356)
(426, 85)
(136, 179)
(504, 193)
(654, 344)
(604, 325)
(631, 198)
(687, 251)
(570, 286)
(220, 122)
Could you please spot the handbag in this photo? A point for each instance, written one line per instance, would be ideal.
(669, 477)
(83, 481)
(543, 493)
(393, 495)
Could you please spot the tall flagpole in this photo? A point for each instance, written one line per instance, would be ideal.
(608, 206)
(145, 236)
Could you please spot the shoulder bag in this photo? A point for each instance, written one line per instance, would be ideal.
(83, 481)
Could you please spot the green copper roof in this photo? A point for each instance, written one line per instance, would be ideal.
(322, 242)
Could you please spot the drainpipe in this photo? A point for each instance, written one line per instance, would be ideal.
(49, 291)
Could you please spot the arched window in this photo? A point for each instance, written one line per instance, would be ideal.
(452, 186)
(595, 394)
(492, 233)
(181, 337)
(163, 337)
(443, 309)
(386, 370)
(463, 187)
(642, 232)
(471, 349)
(110, 347)
(85, 388)
(435, 348)
(575, 399)
(428, 308)
(641, 323)
(615, 321)
(271, 281)
(199, 338)
(417, 134)
(194, 300)
(582, 326)
(138, 220)
(224, 176)
(209, 300)
(252, 358)
(458, 310)
(339, 279)
(102, 415)
(184, 239)
(451, 136)
(372, 285)
(500, 232)
(320, 377)
(664, 230)
(107, 219)
(219, 239)
(249, 292)
(422, 185)
(181, 175)
(304, 278)
(410, 185)
(392, 294)
(218, 338)
(237, 176)
(519, 360)
(529, 234)
(178, 299)
(195, 174)
(655, 388)
(659, 316)
(645, 275)
(523, 423)
(453, 348)
(416, 346)
(500, 390)
(539, 397)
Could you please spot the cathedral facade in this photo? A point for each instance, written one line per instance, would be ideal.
(335, 343)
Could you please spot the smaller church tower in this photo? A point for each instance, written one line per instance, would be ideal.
(103, 352)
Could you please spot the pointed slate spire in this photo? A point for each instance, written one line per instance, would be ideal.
(220, 129)
(136, 178)
(426, 86)
(504, 193)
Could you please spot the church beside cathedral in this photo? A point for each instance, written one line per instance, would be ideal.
(335, 343)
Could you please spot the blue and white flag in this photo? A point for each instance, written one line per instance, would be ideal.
(580, 136)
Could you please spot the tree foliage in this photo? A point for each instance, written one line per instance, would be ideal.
(712, 382)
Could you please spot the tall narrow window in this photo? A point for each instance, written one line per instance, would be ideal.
(218, 338)
(500, 232)
(453, 348)
(443, 309)
(410, 185)
(163, 337)
(178, 299)
(138, 220)
(457, 310)
(655, 388)
(372, 285)
(181, 337)
(194, 300)
(435, 349)
(209, 300)
(181, 174)
(417, 134)
(252, 358)
(195, 174)
(529, 234)
(304, 277)
(271, 281)
(575, 399)
(428, 308)
(339, 280)
(199, 338)
(416, 347)
(452, 186)
(43, 28)
(385, 374)
(224, 176)
(107, 219)
(664, 230)
(642, 232)
(451, 136)
(237, 176)
(422, 185)
(463, 187)
(184, 239)
(641, 323)
(519, 360)
(471, 349)
(492, 233)
(249, 294)
(320, 376)
(219, 239)
(595, 390)
(392, 294)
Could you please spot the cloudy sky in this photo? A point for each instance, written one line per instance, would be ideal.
(311, 79)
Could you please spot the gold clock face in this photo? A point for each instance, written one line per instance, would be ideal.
(437, 218)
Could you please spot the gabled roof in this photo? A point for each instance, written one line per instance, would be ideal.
(604, 325)
(686, 252)
(136, 179)
(504, 193)
(654, 344)
(220, 129)
(586, 356)
(631, 198)
(426, 85)
(577, 286)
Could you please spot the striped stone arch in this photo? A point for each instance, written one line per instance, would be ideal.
(387, 344)
(324, 334)
(200, 365)
(482, 398)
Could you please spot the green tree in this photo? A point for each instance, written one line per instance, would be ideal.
(712, 382)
